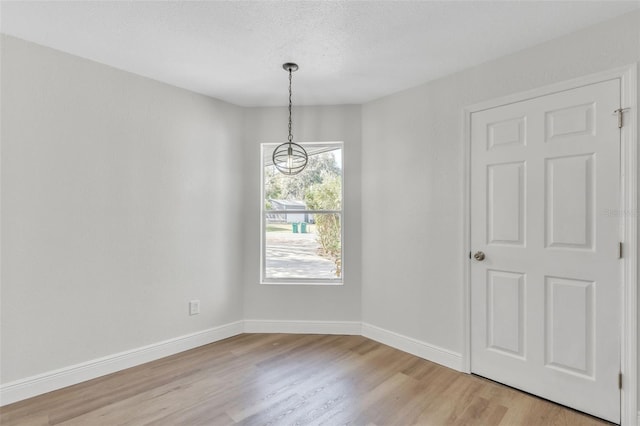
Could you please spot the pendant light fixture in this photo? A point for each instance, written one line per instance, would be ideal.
(290, 158)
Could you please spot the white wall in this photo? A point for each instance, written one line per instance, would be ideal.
(121, 201)
(296, 302)
(412, 259)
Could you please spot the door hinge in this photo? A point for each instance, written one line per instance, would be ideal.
(620, 380)
(620, 113)
(620, 250)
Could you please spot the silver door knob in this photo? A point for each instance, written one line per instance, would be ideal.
(479, 256)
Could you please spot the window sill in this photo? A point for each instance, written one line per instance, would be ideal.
(303, 282)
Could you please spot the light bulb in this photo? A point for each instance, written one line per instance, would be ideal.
(290, 157)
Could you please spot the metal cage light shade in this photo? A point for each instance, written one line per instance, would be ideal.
(290, 158)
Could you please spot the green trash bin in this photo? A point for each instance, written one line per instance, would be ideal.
(294, 226)
(303, 227)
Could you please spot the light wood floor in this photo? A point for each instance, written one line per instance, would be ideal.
(280, 379)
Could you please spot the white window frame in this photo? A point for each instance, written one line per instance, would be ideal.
(268, 147)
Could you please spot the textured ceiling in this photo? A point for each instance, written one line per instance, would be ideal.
(348, 51)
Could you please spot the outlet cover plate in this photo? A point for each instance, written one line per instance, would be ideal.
(194, 307)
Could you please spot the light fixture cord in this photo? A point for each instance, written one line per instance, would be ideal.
(290, 134)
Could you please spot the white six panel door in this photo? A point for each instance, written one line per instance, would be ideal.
(545, 301)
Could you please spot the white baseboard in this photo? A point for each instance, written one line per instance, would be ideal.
(57, 379)
(303, 327)
(404, 343)
(415, 347)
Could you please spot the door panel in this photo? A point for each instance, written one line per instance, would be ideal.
(505, 204)
(545, 300)
(570, 331)
(507, 132)
(571, 121)
(506, 312)
(570, 199)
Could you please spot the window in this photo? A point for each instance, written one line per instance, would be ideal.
(302, 218)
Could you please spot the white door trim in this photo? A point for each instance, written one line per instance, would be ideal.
(628, 211)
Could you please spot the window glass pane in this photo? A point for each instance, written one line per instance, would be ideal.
(304, 246)
(317, 187)
(302, 217)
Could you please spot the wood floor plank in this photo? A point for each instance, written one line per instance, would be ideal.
(282, 379)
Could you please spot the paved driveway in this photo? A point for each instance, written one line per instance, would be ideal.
(290, 255)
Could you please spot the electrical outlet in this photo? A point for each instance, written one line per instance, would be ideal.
(194, 307)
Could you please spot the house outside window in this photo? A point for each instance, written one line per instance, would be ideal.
(302, 218)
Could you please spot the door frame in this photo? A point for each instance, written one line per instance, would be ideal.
(628, 213)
